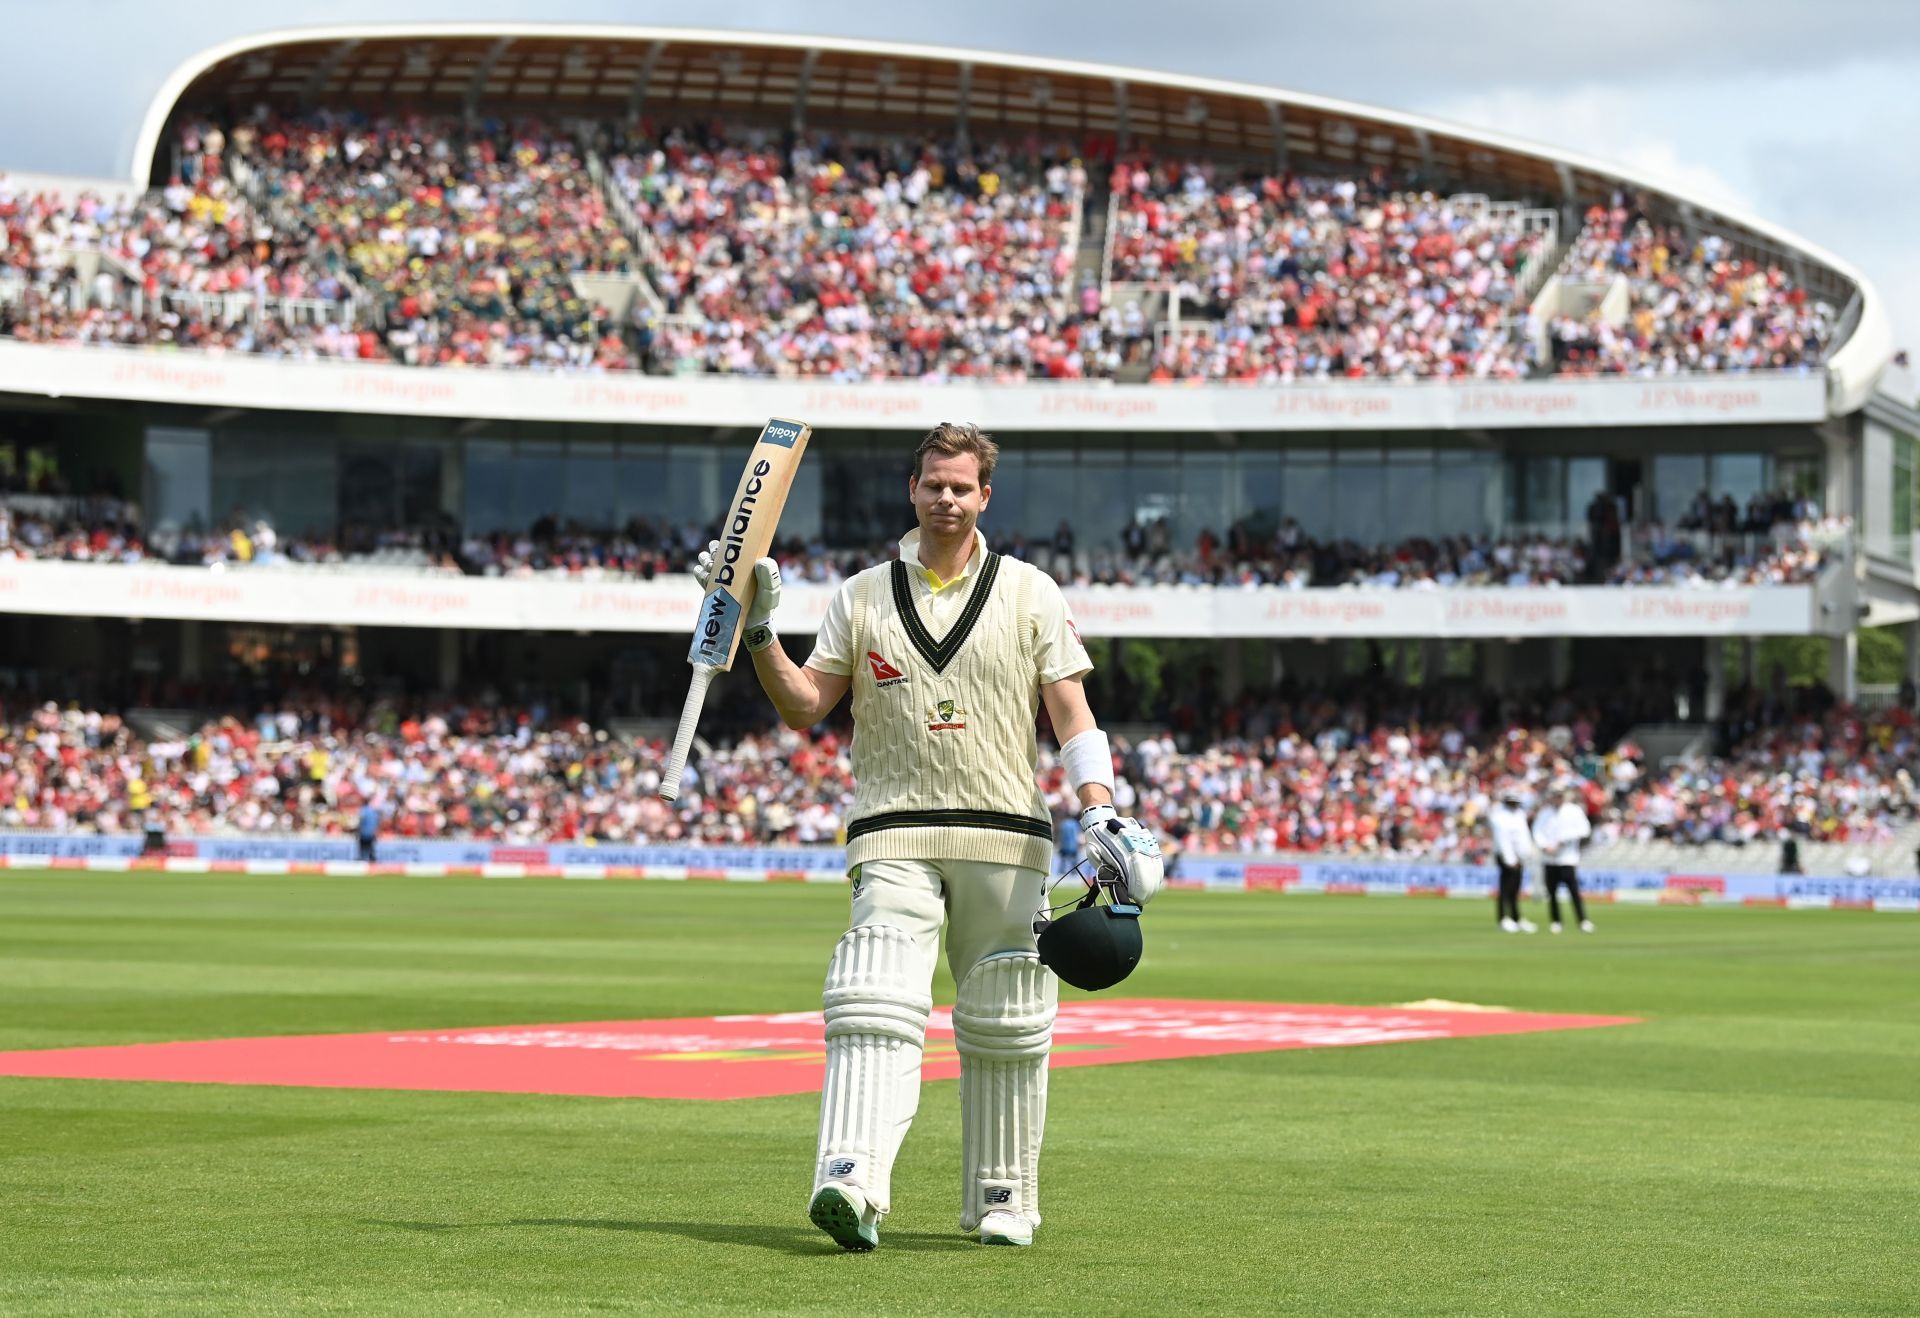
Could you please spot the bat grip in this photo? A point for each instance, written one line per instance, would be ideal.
(683, 735)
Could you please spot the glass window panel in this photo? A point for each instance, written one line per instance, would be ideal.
(1209, 496)
(293, 487)
(1360, 491)
(1410, 496)
(1262, 489)
(539, 481)
(1467, 494)
(1156, 487)
(489, 486)
(178, 480)
(693, 485)
(1309, 494)
(1544, 493)
(591, 497)
(1049, 482)
(422, 483)
(1677, 479)
(1741, 475)
(369, 488)
(1101, 499)
(1586, 477)
(642, 480)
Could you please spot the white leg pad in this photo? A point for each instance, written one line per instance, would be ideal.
(876, 1004)
(1003, 1027)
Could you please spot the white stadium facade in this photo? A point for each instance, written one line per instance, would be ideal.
(312, 445)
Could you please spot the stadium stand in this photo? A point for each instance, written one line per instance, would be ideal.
(1758, 551)
(433, 242)
(1358, 772)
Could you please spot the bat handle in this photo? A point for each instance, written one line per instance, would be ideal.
(683, 735)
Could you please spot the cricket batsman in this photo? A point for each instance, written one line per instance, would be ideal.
(948, 651)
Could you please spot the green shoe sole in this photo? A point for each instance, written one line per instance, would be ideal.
(833, 1212)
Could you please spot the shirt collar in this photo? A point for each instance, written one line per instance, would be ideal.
(910, 555)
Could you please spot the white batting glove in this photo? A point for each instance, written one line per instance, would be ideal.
(766, 594)
(766, 598)
(1122, 845)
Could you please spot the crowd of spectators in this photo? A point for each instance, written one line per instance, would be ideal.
(1300, 277)
(846, 257)
(1709, 549)
(1748, 554)
(1693, 304)
(1368, 770)
(816, 256)
(191, 264)
(466, 236)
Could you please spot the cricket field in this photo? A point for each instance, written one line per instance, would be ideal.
(1749, 1143)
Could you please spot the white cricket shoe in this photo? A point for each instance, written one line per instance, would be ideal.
(1529, 927)
(1510, 926)
(1005, 1229)
(1586, 926)
(841, 1211)
(1555, 926)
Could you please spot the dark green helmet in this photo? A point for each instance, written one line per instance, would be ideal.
(1096, 944)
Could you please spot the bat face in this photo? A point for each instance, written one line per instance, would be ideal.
(745, 535)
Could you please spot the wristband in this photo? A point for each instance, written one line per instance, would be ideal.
(758, 637)
(1088, 759)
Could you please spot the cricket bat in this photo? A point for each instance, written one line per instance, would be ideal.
(751, 520)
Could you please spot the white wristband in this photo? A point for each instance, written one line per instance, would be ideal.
(758, 637)
(1088, 759)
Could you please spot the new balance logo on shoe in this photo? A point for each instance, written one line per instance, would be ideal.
(884, 673)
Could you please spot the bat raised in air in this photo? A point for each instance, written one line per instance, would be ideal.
(751, 520)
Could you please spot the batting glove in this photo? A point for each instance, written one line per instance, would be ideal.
(1122, 845)
(766, 594)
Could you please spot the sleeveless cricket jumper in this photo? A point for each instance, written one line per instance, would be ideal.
(943, 747)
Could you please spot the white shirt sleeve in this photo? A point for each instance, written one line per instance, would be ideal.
(1057, 649)
(833, 647)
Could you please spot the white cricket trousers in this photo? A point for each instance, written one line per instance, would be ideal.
(987, 907)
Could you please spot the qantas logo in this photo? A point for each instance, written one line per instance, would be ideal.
(884, 673)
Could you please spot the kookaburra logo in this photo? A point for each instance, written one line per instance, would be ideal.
(946, 716)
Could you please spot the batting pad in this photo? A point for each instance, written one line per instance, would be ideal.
(876, 1005)
(1003, 1027)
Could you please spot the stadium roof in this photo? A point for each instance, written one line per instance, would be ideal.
(586, 70)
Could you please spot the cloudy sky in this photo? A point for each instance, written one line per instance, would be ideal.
(1807, 114)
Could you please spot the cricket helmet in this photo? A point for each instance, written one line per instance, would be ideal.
(1097, 943)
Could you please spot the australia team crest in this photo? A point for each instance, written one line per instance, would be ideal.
(946, 716)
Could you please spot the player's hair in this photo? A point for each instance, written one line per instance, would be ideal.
(956, 437)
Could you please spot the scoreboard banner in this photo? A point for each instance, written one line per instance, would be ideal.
(235, 380)
(305, 596)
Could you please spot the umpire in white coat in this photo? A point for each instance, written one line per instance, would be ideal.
(1512, 845)
(1558, 830)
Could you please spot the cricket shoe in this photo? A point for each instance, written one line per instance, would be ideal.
(1510, 926)
(1529, 927)
(1005, 1229)
(1555, 926)
(841, 1211)
(1586, 926)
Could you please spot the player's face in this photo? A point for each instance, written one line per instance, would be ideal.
(948, 497)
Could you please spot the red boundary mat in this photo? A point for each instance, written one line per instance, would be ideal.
(742, 1056)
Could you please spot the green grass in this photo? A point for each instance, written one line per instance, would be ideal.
(1753, 1147)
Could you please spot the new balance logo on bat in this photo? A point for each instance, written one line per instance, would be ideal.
(884, 673)
(741, 520)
